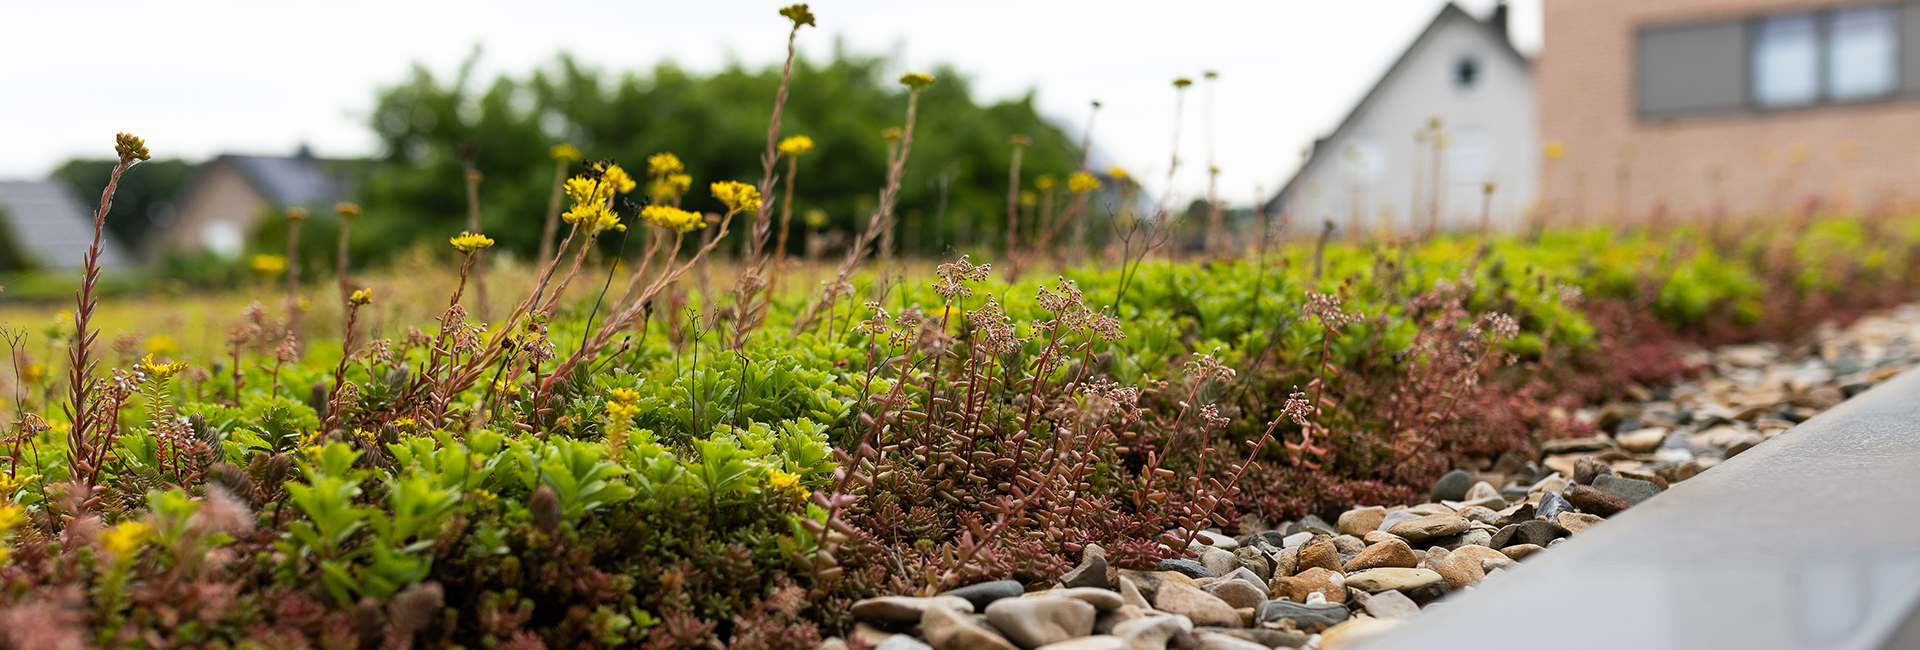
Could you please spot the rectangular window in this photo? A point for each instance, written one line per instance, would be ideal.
(1782, 60)
(1860, 53)
(1786, 61)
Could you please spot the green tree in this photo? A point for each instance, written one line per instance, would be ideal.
(141, 203)
(955, 182)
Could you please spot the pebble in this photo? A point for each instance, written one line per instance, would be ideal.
(1092, 571)
(1286, 563)
(1100, 599)
(1130, 595)
(1217, 641)
(1348, 545)
(1198, 606)
(1574, 522)
(904, 609)
(1296, 539)
(902, 642)
(1631, 490)
(1588, 467)
(1395, 518)
(1237, 593)
(1489, 565)
(1596, 502)
(1480, 514)
(1095, 642)
(1360, 521)
(1219, 562)
(1380, 537)
(1321, 553)
(1245, 575)
(1575, 445)
(1519, 551)
(1391, 604)
(1034, 622)
(1532, 531)
(1643, 441)
(1355, 633)
(1331, 585)
(945, 629)
(868, 635)
(1152, 632)
(1481, 490)
(1255, 561)
(1188, 568)
(1265, 637)
(986, 592)
(1431, 526)
(1105, 621)
(1391, 553)
(1217, 540)
(1453, 486)
(1552, 504)
(1307, 618)
(1425, 509)
(1312, 524)
(1462, 566)
(1473, 537)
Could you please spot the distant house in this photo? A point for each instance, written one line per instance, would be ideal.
(224, 203)
(44, 227)
(1453, 114)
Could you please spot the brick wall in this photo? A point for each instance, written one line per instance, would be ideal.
(1619, 167)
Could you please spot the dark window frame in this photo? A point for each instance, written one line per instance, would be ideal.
(1750, 25)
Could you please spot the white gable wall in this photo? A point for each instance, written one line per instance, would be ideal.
(1368, 168)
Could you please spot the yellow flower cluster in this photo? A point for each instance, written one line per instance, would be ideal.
(672, 218)
(788, 484)
(11, 517)
(346, 210)
(162, 371)
(798, 14)
(268, 264)
(470, 243)
(916, 80)
(669, 186)
(161, 344)
(1045, 182)
(1082, 182)
(739, 197)
(593, 199)
(564, 153)
(296, 213)
(130, 148)
(663, 163)
(361, 296)
(126, 538)
(795, 146)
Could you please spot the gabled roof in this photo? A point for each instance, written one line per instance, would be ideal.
(49, 227)
(1448, 13)
(290, 180)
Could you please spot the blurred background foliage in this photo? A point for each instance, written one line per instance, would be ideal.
(953, 195)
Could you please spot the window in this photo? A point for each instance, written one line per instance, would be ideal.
(1465, 73)
(1786, 61)
(1774, 61)
(1860, 53)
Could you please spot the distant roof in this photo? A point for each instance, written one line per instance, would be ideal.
(1448, 13)
(51, 228)
(289, 180)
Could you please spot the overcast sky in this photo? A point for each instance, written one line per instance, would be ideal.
(205, 77)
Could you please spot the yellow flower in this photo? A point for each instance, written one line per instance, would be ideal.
(161, 344)
(33, 373)
(669, 186)
(1554, 150)
(1045, 182)
(162, 371)
(361, 296)
(346, 210)
(1116, 173)
(916, 80)
(505, 387)
(126, 538)
(1028, 198)
(1020, 140)
(672, 218)
(617, 178)
(624, 395)
(268, 265)
(296, 213)
(1182, 82)
(564, 153)
(11, 516)
(890, 133)
(798, 14)
(664, 163)
(622, 413)
(467, 242)
(404, 423)
(816, 218)
(130, 148)
(739, 197)
(796, 146)
(1083, 182)
(787, 484)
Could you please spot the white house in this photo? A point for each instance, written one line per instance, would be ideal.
(1453, 114)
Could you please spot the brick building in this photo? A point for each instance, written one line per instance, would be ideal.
(1684, 108)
